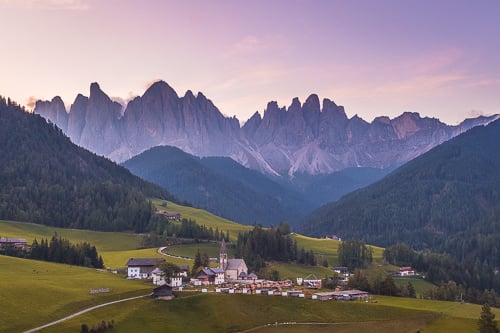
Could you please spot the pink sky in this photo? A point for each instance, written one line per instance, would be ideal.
(440, 58)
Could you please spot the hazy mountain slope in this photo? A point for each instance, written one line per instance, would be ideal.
(219, 185)
(447, 199)
(47, 179)
(322, 189)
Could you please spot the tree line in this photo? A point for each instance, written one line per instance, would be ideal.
(164, 231)
(260, 245)
(468, 280)
(59, 250)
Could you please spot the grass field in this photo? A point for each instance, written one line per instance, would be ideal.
(203, 217)
(232, 313)
(35, 292)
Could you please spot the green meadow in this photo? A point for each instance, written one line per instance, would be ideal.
(39, 292)
(234, 313)
(34, 292)
(203, 217)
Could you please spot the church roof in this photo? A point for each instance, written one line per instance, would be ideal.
(223, 246)
(235, 263)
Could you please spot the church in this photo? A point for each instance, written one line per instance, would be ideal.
(234, 269)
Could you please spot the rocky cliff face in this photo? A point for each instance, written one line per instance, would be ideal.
(311, 138)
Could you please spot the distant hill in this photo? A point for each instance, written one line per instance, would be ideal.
(46, 179)
(447, 199)
(219, 185)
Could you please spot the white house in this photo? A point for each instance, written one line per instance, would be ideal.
(141, 268)
(159, 278)
(406, 271)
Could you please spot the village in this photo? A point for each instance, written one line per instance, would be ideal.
(232, 277)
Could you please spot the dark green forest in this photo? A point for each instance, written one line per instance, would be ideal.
(447, 200)
(46, 179)
(468, 280)
(260, 245)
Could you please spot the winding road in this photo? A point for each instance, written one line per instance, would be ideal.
(160, 251)
(82, 312)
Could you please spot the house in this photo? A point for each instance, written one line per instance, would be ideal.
(163, 292)
(17, 243)
(341, 270)
(211, 276)
(158, 277)
(169, 216)
(141, 268)
(232, 268)
(406, 271)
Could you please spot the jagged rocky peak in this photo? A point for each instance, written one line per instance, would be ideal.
(309, 137)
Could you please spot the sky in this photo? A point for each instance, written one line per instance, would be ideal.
(440, 58)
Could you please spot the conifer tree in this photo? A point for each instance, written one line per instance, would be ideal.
(486, 322)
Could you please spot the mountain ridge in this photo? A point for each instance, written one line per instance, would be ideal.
(309, 137)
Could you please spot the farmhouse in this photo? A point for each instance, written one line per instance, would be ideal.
(163, 292)
(18, 243)
(211, 276)
(141, 268)
(406, 271)
(169, 216)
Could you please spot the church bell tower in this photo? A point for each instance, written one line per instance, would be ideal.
(223, 255)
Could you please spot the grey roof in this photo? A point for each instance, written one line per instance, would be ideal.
(234, 263)
(157, 271)
(207, 271)
(252, 276)
(217, 270)
(144, 261)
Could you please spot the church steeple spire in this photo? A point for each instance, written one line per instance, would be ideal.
(223, 255)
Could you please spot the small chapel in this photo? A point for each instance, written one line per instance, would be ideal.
(234, 269)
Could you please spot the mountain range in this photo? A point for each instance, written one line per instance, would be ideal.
(310, 138)
(447, 199)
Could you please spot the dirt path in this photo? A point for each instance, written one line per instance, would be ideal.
(82, 312)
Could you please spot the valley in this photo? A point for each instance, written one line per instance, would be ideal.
(66, 290)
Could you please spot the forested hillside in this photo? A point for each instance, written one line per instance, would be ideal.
(47, 179)
(219, 185)
(447, 200)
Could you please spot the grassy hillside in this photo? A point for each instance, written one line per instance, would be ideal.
(203, 217)
(231, 313)
(115, 247)
(38, 292)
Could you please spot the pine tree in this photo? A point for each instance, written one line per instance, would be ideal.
(486, 322)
